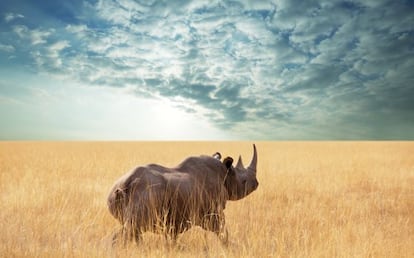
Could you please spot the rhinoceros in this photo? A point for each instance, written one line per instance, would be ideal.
(171, 200)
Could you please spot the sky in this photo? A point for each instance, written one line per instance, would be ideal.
(206, 70)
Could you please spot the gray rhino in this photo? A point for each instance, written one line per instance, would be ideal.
(171, 200)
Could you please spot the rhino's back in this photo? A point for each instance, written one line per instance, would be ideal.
(201, 164)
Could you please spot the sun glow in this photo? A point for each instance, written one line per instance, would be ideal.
(125, 116)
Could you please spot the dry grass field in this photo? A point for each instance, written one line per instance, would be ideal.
(315, 199)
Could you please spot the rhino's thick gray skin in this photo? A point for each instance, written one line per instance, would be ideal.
(171, 200)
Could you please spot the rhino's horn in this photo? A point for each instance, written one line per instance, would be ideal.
(239, 163)
(253, 163)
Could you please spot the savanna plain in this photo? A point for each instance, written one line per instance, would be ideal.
(315, 199)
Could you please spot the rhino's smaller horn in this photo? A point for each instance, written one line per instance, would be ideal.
(239, 163)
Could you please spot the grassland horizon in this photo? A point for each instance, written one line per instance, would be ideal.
(315, 199)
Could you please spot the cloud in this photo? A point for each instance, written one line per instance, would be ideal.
(293, 68)
(76, 29)
(36, 36)
(8, 17)
(7, 48)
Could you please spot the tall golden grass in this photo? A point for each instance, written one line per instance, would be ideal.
(315, 199)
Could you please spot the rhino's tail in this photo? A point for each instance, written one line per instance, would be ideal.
(117, 202)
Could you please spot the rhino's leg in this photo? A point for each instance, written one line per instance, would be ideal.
(170, 240)
(136, 235)
(215, 222)
(173, 235)
(117, 236)
(173, 231)
(130, 232)
(224, 236)
(125, 235)
(222, 232)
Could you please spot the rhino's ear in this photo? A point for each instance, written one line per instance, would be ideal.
(228, 162)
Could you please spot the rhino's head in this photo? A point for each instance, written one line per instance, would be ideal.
(240, 181)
